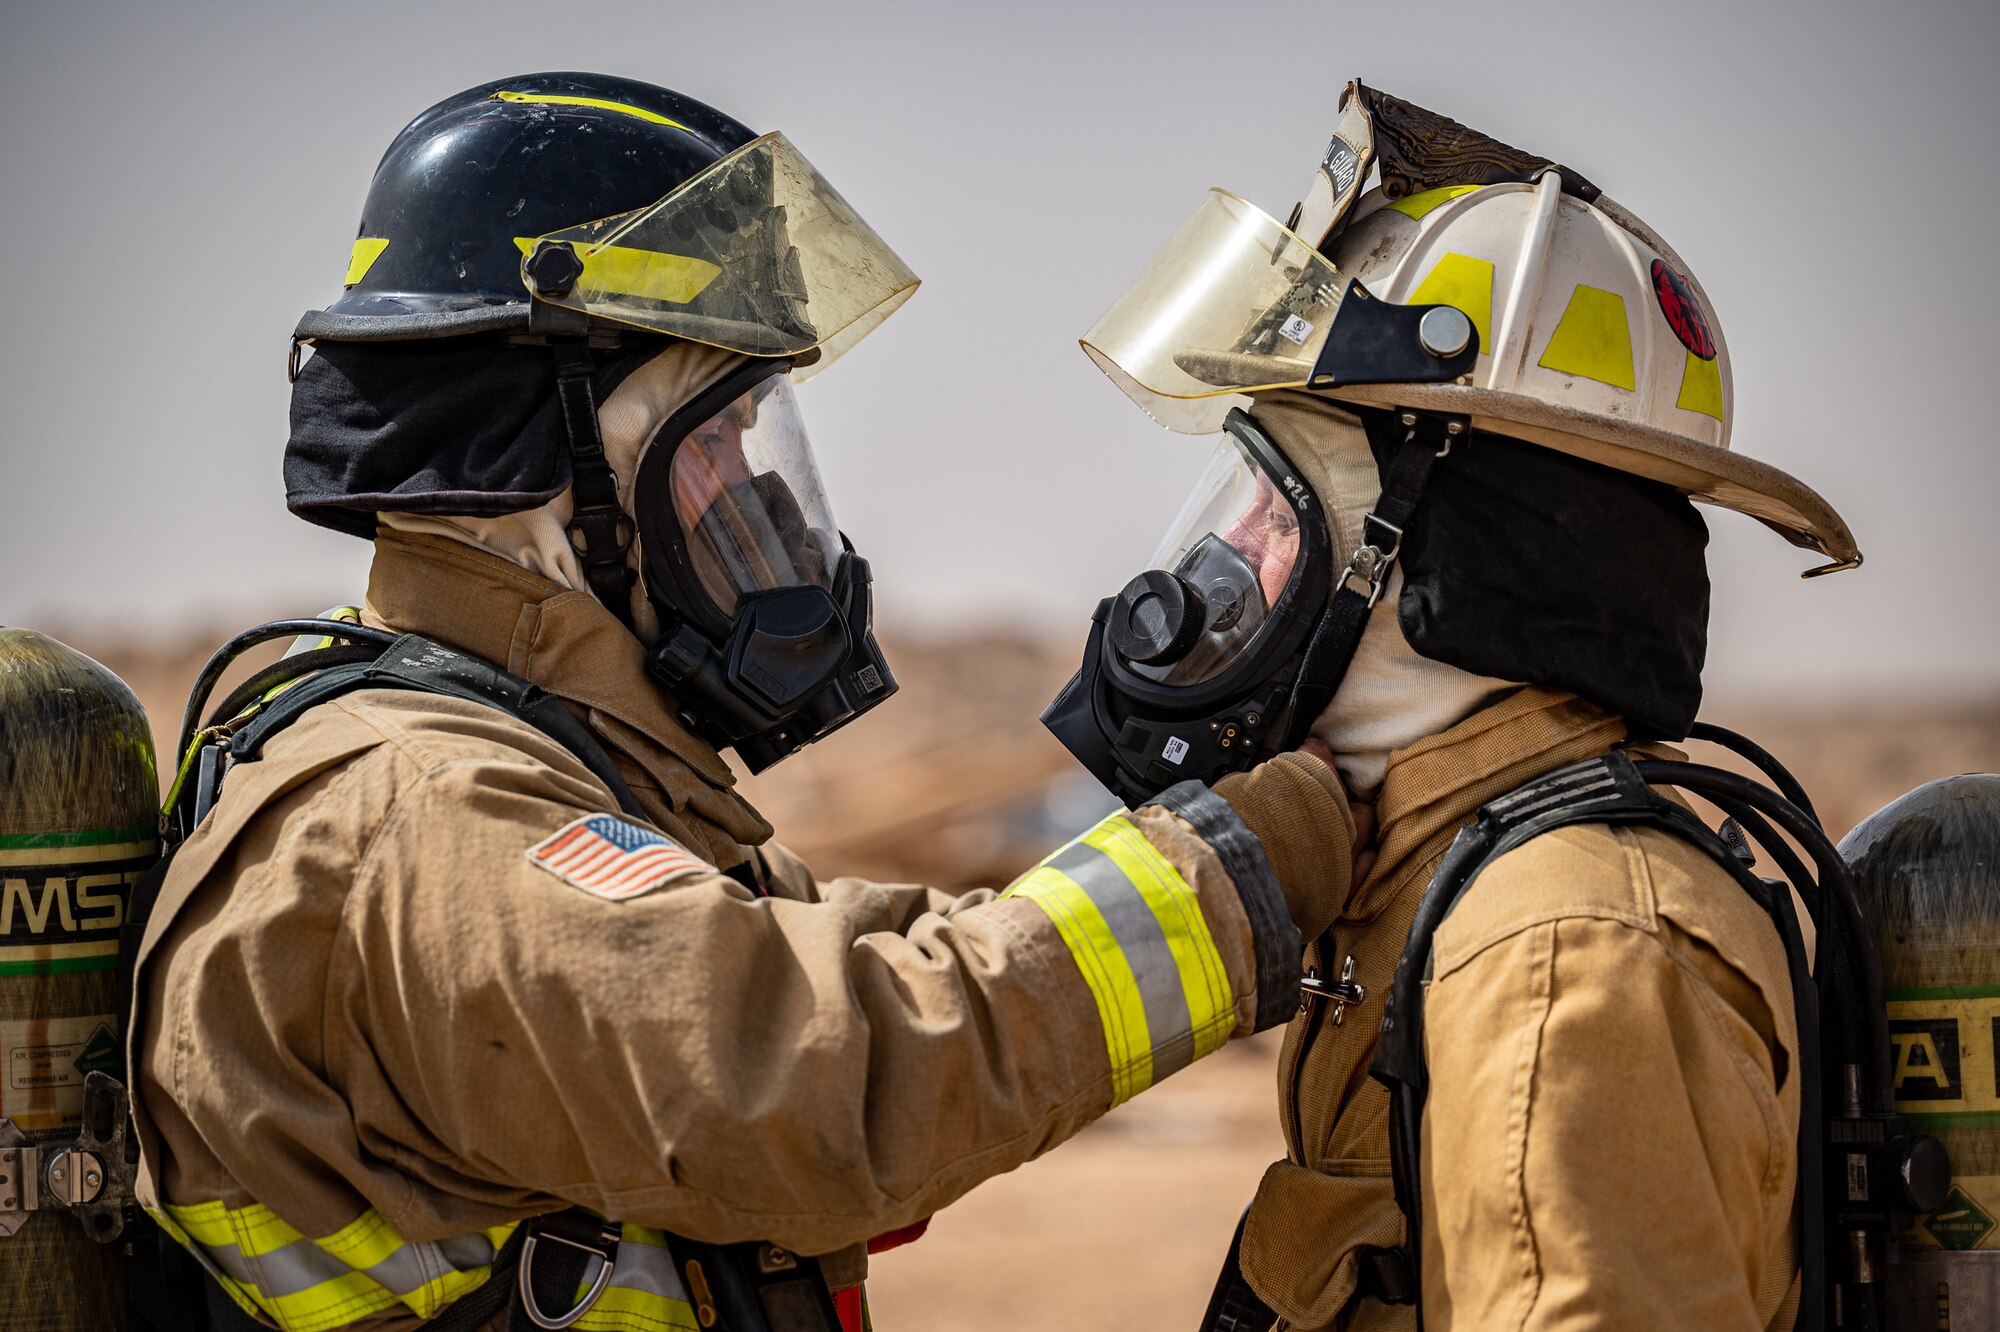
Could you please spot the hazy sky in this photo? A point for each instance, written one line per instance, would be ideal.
(178, 182)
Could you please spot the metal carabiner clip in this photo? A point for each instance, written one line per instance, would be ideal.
(605, 1251)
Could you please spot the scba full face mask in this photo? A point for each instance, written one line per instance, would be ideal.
(1191, 670)
(766, 610)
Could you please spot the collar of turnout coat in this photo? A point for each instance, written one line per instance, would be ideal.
(1438, 784)
(566, 642)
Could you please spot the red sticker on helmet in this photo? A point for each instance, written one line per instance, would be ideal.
(1683, 312)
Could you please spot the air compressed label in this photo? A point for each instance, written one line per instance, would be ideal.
(43, 1062)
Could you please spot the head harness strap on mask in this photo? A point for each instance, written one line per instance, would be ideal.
(599, 529)
(1427, 437)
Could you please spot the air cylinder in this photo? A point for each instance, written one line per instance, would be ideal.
(79, 822)
(1927, 866)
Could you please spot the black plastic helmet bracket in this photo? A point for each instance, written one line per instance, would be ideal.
(1374, 341)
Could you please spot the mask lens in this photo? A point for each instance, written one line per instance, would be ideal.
(1236, 543)
(749, 499)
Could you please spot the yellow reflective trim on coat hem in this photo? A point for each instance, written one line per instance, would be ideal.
(622, 1310)
(181, 1237)
(335, 1273)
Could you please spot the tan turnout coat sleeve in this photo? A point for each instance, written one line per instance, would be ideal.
(360, 992)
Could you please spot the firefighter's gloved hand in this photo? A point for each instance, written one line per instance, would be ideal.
(1297, 808)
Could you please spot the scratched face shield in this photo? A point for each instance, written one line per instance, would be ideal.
(758, 254)
(1236, 542)
(1234, 303)
(748, 497)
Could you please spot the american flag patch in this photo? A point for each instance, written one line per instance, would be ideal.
(610, 858)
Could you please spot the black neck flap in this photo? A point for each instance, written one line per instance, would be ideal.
(1531, 566)
(466, 427)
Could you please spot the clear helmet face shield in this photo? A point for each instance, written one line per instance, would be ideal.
(1236, 303)
(757, 254)
(1187, 671)
(768, 638)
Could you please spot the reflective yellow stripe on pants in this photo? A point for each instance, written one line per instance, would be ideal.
(1139, 938)
(366, 1268)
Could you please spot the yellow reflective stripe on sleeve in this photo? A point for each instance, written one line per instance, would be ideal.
(1136, 931)
(622, 270)
(362, 258)
(1204, 979)
(1120, 1008)
(551, 99)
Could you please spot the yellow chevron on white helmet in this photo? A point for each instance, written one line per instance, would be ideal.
(1594, 339)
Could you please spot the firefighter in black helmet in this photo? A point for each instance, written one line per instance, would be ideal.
(475, 985)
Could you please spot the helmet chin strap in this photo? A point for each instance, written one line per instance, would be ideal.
(599, 529)
(1427, 437)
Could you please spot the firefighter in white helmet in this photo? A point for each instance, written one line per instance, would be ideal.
(1448, 532)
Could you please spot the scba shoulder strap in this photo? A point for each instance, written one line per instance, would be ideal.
(552, 1268)
(417, 663)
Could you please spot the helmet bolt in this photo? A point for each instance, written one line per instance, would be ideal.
(1444, 331)
(554, 268)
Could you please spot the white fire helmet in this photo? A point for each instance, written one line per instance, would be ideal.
(1594, 338)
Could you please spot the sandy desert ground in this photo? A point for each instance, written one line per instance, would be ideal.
(954, 783)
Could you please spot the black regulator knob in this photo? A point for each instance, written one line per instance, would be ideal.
(1923, 1170)
(1156, 619)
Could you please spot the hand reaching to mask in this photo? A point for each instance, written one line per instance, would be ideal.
(1318, 843)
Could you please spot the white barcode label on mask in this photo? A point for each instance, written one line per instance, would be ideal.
(1176, 750)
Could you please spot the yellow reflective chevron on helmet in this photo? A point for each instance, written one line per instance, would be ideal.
(362, 258)
(650, 274)
(551, 99)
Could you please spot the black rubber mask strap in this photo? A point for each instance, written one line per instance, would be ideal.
(1427, 437)
(599, 530)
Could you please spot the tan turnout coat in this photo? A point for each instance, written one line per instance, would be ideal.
(1609, 1139)
(359, 997)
